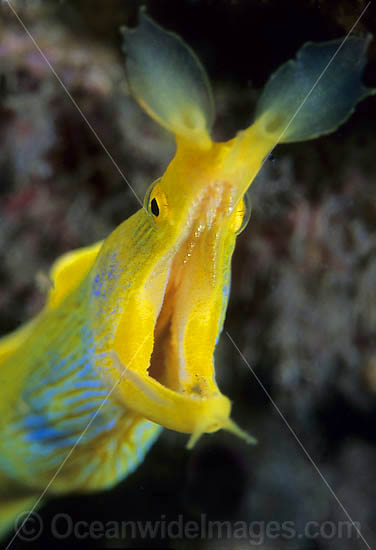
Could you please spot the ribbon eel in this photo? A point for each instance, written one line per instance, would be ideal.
(124, 345)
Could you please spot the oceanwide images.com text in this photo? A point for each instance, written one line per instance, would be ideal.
(30, 526)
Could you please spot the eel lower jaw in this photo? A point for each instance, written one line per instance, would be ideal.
(176, 410)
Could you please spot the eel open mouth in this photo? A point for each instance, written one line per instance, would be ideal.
(191, 302)
(179, 390)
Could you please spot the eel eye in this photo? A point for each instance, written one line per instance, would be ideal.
(241, 215)
(154, 207)
(156, 202)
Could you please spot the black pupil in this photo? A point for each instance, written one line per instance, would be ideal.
(154, 207)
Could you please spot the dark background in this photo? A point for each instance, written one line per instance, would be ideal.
(302, 307)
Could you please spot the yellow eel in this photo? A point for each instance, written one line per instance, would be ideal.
(124, 345)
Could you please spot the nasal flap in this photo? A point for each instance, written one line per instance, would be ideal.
(168, 80)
